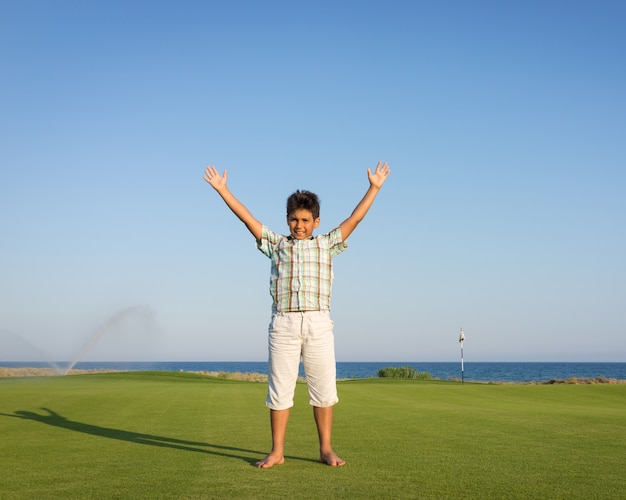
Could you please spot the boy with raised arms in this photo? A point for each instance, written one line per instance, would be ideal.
(300, 286)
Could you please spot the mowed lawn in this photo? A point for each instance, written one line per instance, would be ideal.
(171, 435)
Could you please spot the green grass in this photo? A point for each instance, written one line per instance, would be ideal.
(171, 435)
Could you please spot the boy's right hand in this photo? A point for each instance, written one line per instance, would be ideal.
(379, 176)
(213, 177)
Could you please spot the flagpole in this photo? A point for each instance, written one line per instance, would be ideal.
(461, 339)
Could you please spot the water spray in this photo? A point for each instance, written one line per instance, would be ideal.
(115, 320)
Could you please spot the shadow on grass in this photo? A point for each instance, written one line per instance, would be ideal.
(56, 420)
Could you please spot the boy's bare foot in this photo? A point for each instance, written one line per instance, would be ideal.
(331, 459)
(270, 461)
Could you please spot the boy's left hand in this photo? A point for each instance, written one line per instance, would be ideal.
(380, 174)
(213, 177)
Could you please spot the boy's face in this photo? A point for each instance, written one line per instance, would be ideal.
(301, 224)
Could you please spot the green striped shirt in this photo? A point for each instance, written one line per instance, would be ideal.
(302, 270)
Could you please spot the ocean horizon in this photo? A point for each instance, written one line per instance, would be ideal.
(512, 371)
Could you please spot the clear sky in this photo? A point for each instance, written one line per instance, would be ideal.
(504, 124)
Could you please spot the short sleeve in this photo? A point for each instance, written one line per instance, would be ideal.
(269, 241)
(336, 244)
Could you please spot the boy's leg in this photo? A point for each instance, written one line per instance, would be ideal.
(324, 422)
(284, 359)
(278, 421)
(318, 356)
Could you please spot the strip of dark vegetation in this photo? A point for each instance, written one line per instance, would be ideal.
(403, 372)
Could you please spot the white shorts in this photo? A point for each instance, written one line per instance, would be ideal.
(307, 335)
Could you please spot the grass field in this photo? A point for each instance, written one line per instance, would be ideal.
(172, 435)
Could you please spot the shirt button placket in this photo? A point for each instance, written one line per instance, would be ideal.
(300, 287)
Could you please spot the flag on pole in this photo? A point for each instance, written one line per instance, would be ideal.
(461, 339)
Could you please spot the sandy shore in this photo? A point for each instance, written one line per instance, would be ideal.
(260, 377)
(49, 372)
(42, 372)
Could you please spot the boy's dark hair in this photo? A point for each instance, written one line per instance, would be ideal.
(304, 200)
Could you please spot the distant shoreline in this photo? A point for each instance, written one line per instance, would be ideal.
(45, 372)
(51, 372)
(260, 377)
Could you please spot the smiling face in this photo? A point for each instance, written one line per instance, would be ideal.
(302, 223)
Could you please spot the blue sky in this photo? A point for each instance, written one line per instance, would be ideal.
(503, 122)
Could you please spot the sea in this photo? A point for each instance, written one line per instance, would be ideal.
(470, 371)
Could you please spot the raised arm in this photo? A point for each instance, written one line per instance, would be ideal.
(218, 182)
(376, 179)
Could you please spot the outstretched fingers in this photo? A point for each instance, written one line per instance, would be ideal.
(380, 174)
(213, 177)
(383, 168)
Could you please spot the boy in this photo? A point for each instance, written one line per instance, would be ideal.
(300, 286)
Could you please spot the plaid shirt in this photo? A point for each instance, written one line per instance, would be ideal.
(302, 270)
